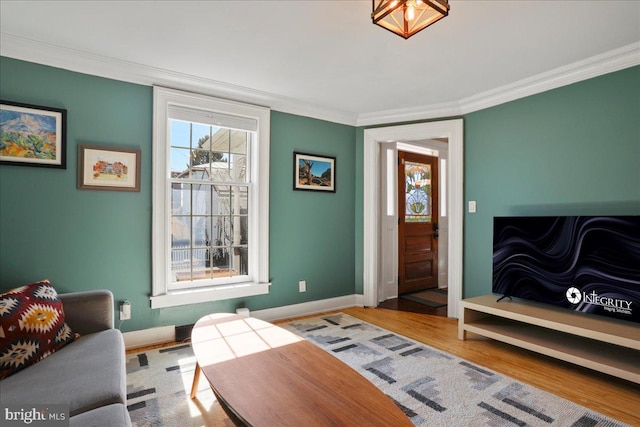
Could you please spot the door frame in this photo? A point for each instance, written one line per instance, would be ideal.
(452, 130)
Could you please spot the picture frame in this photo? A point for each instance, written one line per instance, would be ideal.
(313, 172)
(33, 135)
(107, 168)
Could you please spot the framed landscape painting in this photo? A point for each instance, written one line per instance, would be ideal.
(32, 135)
(316, 173)
(108, 168)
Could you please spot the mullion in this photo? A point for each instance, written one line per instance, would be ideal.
(211, 188)
(191, 250)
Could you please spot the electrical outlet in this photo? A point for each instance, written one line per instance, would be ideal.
(302, 284)
(125, 310)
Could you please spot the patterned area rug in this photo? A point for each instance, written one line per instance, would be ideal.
(438, 389)
(158, 388)
(432, 387)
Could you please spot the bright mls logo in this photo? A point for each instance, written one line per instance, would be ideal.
(574, 296)
(35, 416)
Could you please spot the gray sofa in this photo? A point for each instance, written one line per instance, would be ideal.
(88, 374)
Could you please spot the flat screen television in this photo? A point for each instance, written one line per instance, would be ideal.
(589, 264)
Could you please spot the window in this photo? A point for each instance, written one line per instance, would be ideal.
(210, 199)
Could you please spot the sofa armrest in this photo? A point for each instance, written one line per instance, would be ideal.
(87, 312)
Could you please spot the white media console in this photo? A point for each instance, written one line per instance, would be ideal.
(595, 342)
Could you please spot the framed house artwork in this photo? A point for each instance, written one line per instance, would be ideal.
(32, 135)
(108, 168)
(314, 173)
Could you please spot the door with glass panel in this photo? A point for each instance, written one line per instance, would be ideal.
(417, 222)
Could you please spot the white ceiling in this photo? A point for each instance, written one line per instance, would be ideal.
(326, 58)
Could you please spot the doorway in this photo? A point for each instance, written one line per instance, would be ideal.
(452, 131)
(417, 222)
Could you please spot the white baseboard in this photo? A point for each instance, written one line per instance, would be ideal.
(165, 334)
(151, 336)
(308, 308)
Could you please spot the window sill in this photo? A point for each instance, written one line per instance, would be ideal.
(219, 293)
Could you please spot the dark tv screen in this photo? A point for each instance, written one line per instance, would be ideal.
(585, 263)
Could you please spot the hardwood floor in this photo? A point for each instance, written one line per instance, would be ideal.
(608, 395)
(412, 307)
(602, 393)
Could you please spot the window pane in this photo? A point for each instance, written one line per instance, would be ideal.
(220, 166)
(244, 230)
(201, 165)
(240, 260)
(238, 169)
(179, 133)
(181, 265)
(229, 167)
(180, 160)
(200, 135)
(201, 199)
(180, 199)
(239, 230)
(220, 262)
(239, 140)
(201, 231)
(223, 229)
(200, 264)
(239, 200)
(221, 138)
(221, 200)
(418, 192)
(180, 232)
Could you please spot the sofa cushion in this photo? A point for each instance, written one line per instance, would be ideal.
(115, 415)
(32, 326)
(86, 374)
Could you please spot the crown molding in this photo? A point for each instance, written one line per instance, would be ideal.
(25, 49)
(29, 50)
(435, 111)
(608, 62)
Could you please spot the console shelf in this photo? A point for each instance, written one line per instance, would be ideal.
(606, 345)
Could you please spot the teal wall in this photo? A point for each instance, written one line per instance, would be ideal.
(312, 234)
(84, 240)
(571, 150)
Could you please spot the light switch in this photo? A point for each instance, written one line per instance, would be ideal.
(472, 206)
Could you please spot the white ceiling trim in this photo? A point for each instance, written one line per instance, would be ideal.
(435, 111)
(25, 49)
(608, 62)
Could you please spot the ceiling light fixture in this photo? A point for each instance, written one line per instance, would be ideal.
(407, 17)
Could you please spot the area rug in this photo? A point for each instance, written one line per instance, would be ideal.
(158, 387)
(438, 389)
(433, 297)
(433, 388)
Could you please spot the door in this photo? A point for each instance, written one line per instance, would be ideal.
(417, 222)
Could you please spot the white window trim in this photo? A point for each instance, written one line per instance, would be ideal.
(161, 217)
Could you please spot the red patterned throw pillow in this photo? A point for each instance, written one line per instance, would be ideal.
(32, 326)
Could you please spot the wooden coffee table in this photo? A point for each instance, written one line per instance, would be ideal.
(264, 375)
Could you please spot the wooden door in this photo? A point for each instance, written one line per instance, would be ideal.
(417, 222)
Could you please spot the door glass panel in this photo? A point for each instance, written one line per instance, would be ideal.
(418, 192)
